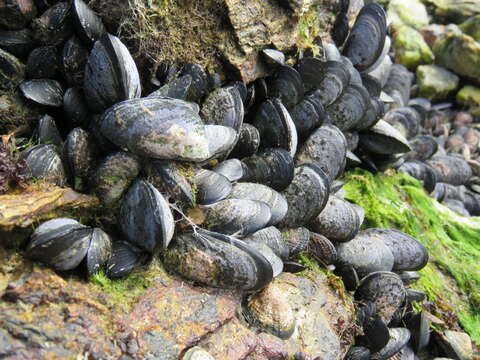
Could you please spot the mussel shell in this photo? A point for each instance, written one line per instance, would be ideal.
(286, 84)
(451, 169)
(372, 114)
(456, 206)
(385, 289)
(297, 240)
(326, 147)
(88, 25)
(399, 84)
(211, 186)
(421, 171)
(232, 169)
(376, 334)
(113, 176)
(384, 139)
(166, 72)
(322, 249)
(293, 267)
(273, 238)
(241, 88)
(223, 106)
(273, 57)
(178, 88)
(272, 167)
(399, 338)
(98, 252)
(47, 132)
(366, 253)
(349, 276)
(355, 77)
(75, 108)
(74, 57)
(275, 262)
(145, 217)
(423, 147)
(340, 29)
(111, 75)
(199, 86)
(54, 26)
(409, 277)
(419, 328)
(347, 111)
(232, 216)
(218, 260)
(373, 85)
(382, 72)
(308, 115)
(16, 14)
(352, 138)
(16, 42)
(251, 191)
(221, 140)
(415, 296)
(248, 141)
(276, 127)
(43, 63)
(358, 353)
(43, 162)
(79, 152)
(43, 91)
(306, 196)
(12, 71)
(123, 260)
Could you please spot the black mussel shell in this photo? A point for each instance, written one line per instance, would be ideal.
(272, 167)
(224, 106)
(113, 176)
(98, 252)
(43, 162)
(241, 88)
(47, 132)
(88, 25)
(355, 77)
(348, 110)
(326, 147)
(123, 260)
(214, 81)
(232, 169)
(423, 147)
(75, 108)
(399, 84)
(308, 115)
(178, 88)
(340, 29)
(111, 75)
(43, 91)
(79, 153)
(16, 42)
(252, 191)
(399, 338)
(73, 60)
(233, 216)
(322, 249)
(415, 296)
(61, 243)
(314, 72)
(273, 57)
(166, 72)
(199, 81)
(211, 187)
(384, 139)
(349, 276)
(276, 127)
(409, 277)
(376, 335)
(218, 260)
(43, 63)
(451, 169)
(297, 240)
(286, 84)
(371, 116)
(293, 267)
(12, 71)
(16, 14)
(273, 238)
(358, 353)
(331, 82)
(54, 26)
(421, 171)
(275, 262)
(248, 142)
(419, 328)
(145, 217)
(373, 86)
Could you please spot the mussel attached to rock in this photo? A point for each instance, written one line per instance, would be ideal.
(43, 162)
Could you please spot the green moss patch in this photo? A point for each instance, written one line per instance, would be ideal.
(452, 278)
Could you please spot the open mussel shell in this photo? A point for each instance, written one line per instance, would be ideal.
(199, 85)
(366, 253)
(73, 59)
(211, 186)
(399, 338)
(43, 162)
(16, 14)
(223, 106)
(286, 84)
(61, 243)
(75, 108)
(248, 141)
(125, 257)
(385, 289)
(421, 171)
(47, 132)
(178, 88)
(54, 26)
(347, 111)
(252, 191)
(218, 260)
(16, 42)
(349, 276)
(111, 75)
(322, 249)
(308, 115)
(326, 147)
(297, 239)
(145, 217)
(98, 252)
(276, 127)
(338, 221)
(232, 216)
(451, 169)
(384, 139)
(43, 63)
(113, 176)
(232, 169)
(13, 71)
(306, 196)
(88, 25)
(271, 237)
(358, 353)
(43, 92)
(408, 253)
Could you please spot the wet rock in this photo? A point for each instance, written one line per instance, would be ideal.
(407, 12)
(197, 353)
(411, 48)
(469, 97)
(456, 344)
(472, 27)
(436, 83)
(455, 10)
(431, 33)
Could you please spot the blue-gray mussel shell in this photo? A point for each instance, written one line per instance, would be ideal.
(218, 260)
(384, 139)
(211, 187)
(43, 92)
(358, 353)
(248, 142)
(43, 63)
(349, 109)
(308, 115)
(423, 147)
(44, 162)
(47, 132)
(421, 171)
(111, 75)
(399, 338)
(286, 84)
(61, 243)
(232, 169)
(75, 109)
(399, 83)
(125, 256)
(451, 169)
(98, 252)
(223, 106)
(88, 25)
(54, 26)
(145, 217)
(273, 238)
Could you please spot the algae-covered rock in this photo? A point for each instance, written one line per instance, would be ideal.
(407, 12)
(455, 10)
(460, 53)
(432, 32)
(411, 48)
(469, 96)
(472, 27)
(436, 83)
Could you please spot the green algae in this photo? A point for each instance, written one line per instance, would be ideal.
(452, 277)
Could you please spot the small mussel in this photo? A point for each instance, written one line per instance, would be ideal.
(88, 25)
(232, 169)
(308, 115)
(43, 92)
(399, 338)
(297, 240)
(178, 88)
(273, 57)
(54, 26)
(125, 257)
(421, 171)
(218, 260)
(286, 84)
(451, 169)
(145, 217)
(47, 132)
(322, 249)
(349, 276)
(73, 59)
(98, 252)
(409, 277)
(384, 139)
(248, 141)
(273, 238)
(12, 71)
(16, 42)
(223, 106)
(349, 109)
(199, 81)
(43, 63)
(75, 108)
(43, 162)
(211, 186)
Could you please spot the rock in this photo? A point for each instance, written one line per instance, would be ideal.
(197, 353)
(456, 344)
(436, 83)
(411, 48)
(471, 27)
(407, 12)
(469, 97)
(456, 10)
(459, 53)
(432, 32)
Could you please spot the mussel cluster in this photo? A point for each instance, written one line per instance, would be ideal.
(226, 182)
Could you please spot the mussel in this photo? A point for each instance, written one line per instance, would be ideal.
(43, 92)
(43, 162)
(13, 71)
(88, 25)
(54, 26)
